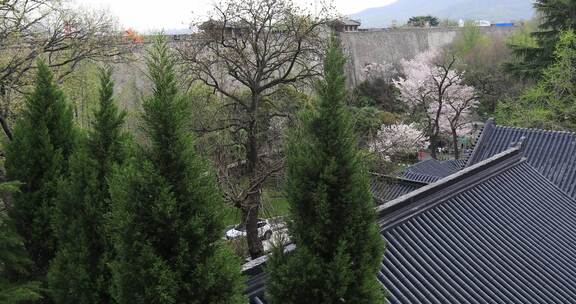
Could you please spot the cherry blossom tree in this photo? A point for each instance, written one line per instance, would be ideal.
(398, 138)
(434, 87)
(458, 114)
(372, 71)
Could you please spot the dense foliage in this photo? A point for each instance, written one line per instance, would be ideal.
(377, 92)
(375, 101)
(15, 287)
(550, 104)
(556, 15)
(423, 21)
(482, 57)
(338, 246)
(167, 209)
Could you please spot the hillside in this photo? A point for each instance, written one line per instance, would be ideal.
(492, 10)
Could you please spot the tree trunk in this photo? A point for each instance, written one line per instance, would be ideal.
(250, 214)
(455, 143)
(5, 127)
(493, 104)
(434, 146)
(252, 203)
(434, 142)
(3, 122)
(433, 149)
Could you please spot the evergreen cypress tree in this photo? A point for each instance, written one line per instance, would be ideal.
(78, 273)
(338, 246)
(44, 138)
(15, 287)
(167, 209)
(557, 16)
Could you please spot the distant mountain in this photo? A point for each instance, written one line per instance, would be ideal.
(491, 10)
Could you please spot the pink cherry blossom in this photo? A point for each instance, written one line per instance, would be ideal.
(398, 138)
(433, 83)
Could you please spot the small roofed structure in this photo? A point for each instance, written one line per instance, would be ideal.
(219, 28)
(345, 25)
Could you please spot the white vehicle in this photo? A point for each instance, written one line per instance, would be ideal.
(482, 23)
(264, 230)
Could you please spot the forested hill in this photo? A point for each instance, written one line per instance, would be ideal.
(492, 10)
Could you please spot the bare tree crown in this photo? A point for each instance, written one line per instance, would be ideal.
(256, 44)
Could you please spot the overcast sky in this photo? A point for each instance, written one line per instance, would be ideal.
(146, 15)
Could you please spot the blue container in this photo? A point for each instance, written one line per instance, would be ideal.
(503, 24)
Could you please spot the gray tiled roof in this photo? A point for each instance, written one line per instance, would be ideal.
(431, 167)
(418, 177)
(495, 232)
(504, 234)
(347, 21)
(455, 165)
(552, 153)
(431, 170)
(386, 188)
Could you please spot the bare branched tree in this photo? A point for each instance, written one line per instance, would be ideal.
(62, 36)
(246, 51)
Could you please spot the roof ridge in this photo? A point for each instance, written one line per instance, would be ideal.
(487, 129)
(426, 178)
(534, 129)
(404, 207)
(397, 178)
(256, 265)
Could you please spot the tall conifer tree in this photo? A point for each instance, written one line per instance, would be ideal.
(167, 209)
(557, 16)
(44, 138)
(78, 273)
(338, 246)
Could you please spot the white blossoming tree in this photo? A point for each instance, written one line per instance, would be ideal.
(372, 71)
(434, 87)
(398, 138)
(458, 114)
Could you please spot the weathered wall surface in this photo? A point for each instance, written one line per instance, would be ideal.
(376, 46)
(393, 45)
